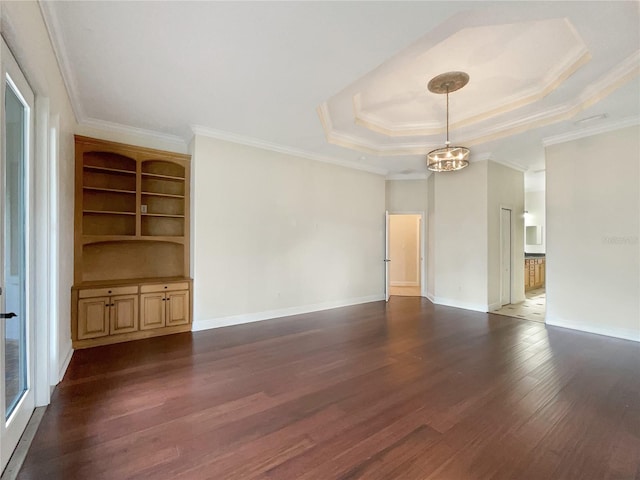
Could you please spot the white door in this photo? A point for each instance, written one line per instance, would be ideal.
(386, 256)
(505, 256)
(16, 327)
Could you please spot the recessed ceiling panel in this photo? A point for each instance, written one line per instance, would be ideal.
(525, 73)
(509, 65)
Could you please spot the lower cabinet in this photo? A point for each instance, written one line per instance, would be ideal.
(152, 310)
(163, 308)
(121, 313)
(177, 308)
(93, 317)
(534, 273)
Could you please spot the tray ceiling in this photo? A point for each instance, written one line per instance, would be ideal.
(345, 82)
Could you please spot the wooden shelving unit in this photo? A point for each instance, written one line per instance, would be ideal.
(131, 242)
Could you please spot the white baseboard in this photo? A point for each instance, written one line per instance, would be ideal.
(65, 364)
(624, 333)
(218, 322)
(404, 284)
(451, 302)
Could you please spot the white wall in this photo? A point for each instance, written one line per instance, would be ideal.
(27, 37)
(535, 207)
(404, 250)
(276, 234)
(459, 237)
(593, 225)
(505, 188)
(404, 196)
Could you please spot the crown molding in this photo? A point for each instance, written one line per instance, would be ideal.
(355, 143)
(59, 50)
(487, 156)
(617, 76)
(481, 157)
(274, 147)
(511, 165)
(408, 176)
(591, 131)
(375, 124)
(176, 141)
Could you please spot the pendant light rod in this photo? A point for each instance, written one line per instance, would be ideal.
(448, 158)
(447, 142)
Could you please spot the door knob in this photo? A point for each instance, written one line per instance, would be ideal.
(8, 315)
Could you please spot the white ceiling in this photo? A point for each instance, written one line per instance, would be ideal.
(325, 79)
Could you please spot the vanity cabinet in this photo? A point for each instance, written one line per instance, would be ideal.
(534, 273)
(131, 243)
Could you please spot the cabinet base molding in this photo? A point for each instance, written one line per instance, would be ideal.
(127, 337)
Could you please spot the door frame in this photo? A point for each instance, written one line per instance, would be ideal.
(41, 230)
(511, 250)
(423, 234)
(386, 259)
(12, 427)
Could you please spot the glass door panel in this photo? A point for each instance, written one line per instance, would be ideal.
(15, 331)
(16, 328)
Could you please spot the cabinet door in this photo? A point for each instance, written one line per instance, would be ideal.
(93, 317)
(152, 310)
(124, 314)
(177, 308)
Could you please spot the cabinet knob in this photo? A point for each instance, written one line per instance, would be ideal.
(165, 286)
(109, 291)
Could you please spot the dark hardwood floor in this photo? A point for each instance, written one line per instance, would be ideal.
(399, 391)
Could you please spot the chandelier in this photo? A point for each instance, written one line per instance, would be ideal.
(448, 158)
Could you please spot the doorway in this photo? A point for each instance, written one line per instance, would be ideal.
(405, 254)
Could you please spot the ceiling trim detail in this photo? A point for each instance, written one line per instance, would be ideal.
(591, 131)
(578, 59)
(408, 176)
(254, 142)
(624, 72)
(57, 43)
(512, 165)
(355, 143)
(180, 143)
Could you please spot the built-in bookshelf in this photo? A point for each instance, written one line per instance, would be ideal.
(131, 229)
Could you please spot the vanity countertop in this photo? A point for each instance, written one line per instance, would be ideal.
(533, 255)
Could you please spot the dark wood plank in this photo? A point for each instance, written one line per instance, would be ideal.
(403, 390)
